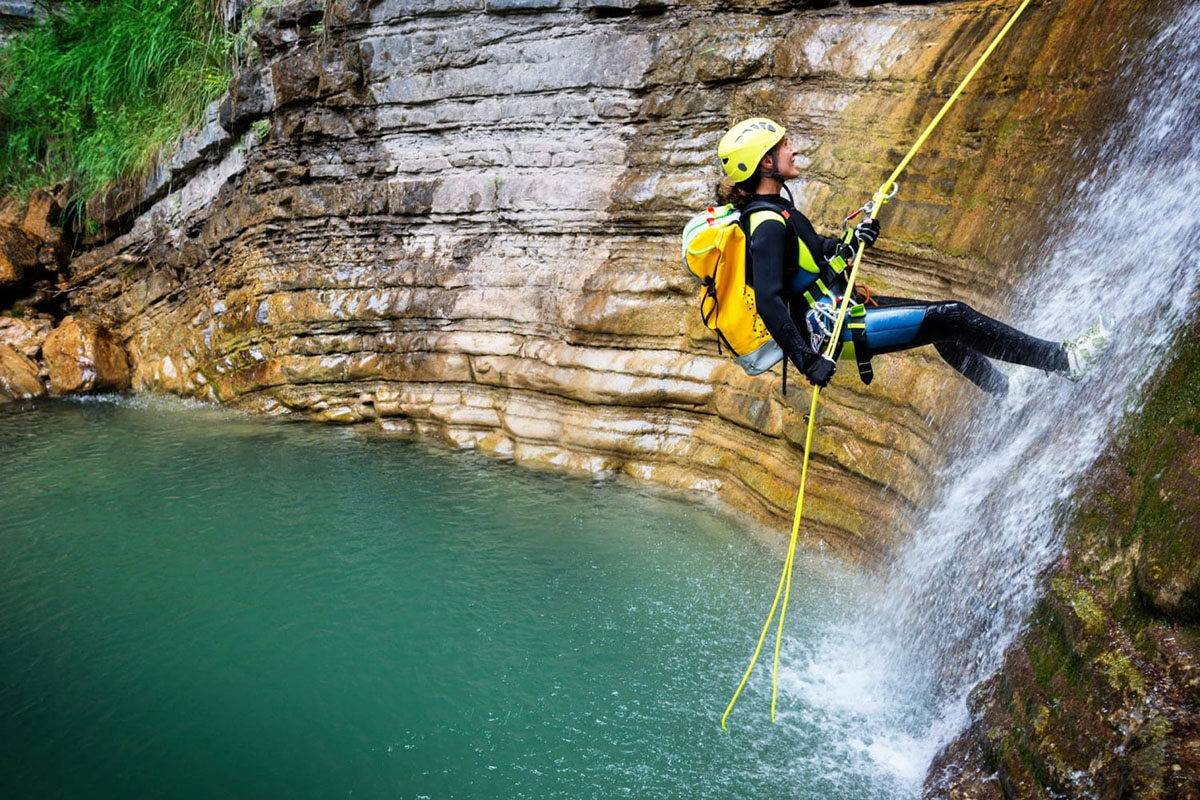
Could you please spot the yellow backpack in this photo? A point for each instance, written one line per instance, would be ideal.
(714, 252)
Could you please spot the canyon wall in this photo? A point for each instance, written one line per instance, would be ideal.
(460, 219)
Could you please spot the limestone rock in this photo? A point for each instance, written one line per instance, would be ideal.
(41, 221)
(17, 14)
(117, 203)
(10, 211)
(19, 377)
(21, 9)
(41, 216)
(251, 97)
(296, 78)
(196, 147)
(25, 334)
(287, 23)
(82, 355)
(18, 255)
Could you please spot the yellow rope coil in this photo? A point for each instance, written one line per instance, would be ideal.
(881, 197)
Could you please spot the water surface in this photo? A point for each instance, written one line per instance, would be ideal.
(199, 604)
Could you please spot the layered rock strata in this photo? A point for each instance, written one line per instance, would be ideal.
(459, 219)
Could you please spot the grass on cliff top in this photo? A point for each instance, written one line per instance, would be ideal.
(94, 91)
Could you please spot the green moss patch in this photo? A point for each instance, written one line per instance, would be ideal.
(1120, 672)
(1090, 614)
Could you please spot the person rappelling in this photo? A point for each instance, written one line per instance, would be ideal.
(774, 290)
(785, 301)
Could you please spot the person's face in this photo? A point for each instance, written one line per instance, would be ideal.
(786, 154)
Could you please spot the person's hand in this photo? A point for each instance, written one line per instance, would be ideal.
(820, 371)
(867, 231)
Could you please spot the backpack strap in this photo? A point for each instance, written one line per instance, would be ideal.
(744, 221)
(761, 205)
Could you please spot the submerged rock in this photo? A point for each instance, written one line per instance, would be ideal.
(83, 356)
(19, 376)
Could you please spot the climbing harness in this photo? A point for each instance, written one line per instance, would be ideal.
(886, 191)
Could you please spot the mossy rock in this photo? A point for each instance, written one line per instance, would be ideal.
(1100, 697)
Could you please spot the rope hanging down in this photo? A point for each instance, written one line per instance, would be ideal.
(884, 193)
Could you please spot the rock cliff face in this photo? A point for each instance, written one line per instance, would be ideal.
(16, 14)
(460, 219)
(1101, 696)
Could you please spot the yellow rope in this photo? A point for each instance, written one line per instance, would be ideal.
(881, 197)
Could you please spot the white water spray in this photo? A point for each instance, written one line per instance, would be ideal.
(893, 685)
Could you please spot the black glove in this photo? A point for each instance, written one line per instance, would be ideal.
(820, 371)
(867, 231)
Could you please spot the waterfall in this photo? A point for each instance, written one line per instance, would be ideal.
(892, 685)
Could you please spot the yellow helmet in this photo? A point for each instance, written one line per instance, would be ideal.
(746, 143)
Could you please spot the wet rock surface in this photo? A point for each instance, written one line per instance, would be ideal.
(19, 376)
(1101, 696)
(26, 334)
(82, 355)
(18, 255)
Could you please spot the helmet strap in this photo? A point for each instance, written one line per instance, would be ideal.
(774, 173)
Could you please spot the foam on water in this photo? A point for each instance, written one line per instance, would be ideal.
(892, 684)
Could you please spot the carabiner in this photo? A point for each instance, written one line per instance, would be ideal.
(868, 207)
(870, 204)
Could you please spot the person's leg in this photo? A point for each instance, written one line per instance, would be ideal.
(959, 323)
(975, 367)
(898, 324)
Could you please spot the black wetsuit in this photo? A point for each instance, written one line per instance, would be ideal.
(790, 271)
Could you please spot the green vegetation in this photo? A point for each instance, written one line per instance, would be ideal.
(95, 91)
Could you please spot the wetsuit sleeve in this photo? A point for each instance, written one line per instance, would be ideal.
(829, 246)
(767, 262)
